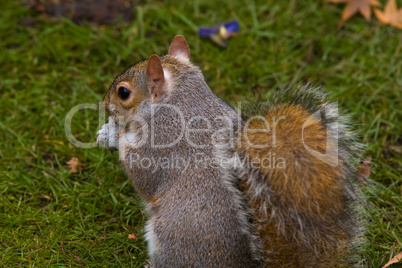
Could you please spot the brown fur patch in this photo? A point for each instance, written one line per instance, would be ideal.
(302, 222)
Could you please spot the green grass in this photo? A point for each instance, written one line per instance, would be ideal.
(48, 215)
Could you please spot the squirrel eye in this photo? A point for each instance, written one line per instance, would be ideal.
(123, 93)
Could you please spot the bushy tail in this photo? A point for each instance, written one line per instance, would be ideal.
(299, 181)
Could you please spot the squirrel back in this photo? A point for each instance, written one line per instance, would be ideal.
(180, 144)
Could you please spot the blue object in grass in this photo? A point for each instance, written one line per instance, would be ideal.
(219, 33)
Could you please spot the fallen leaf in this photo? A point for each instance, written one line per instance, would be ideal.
(131, 236)
(391, 14)
(73, 164)
(395, 259)
(364, 168)
(396, 149)
(354, 6)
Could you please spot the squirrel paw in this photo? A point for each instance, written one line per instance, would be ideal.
(108, 135)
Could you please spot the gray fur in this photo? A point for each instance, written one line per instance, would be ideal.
(199, 218)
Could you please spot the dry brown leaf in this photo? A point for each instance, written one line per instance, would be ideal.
(73, 165)
(391, 15)
(395, 259)
(364, 168)
(131, 236)
(395, 148)
(354, 6)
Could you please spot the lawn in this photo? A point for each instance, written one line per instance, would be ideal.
(50, 217)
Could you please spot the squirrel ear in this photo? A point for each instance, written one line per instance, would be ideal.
(179, 48)
(155, 78)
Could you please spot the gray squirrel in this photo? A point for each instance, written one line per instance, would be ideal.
(222, 190)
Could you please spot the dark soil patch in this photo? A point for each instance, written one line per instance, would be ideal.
(99, 12)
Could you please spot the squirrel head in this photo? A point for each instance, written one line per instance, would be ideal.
(147, 81)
